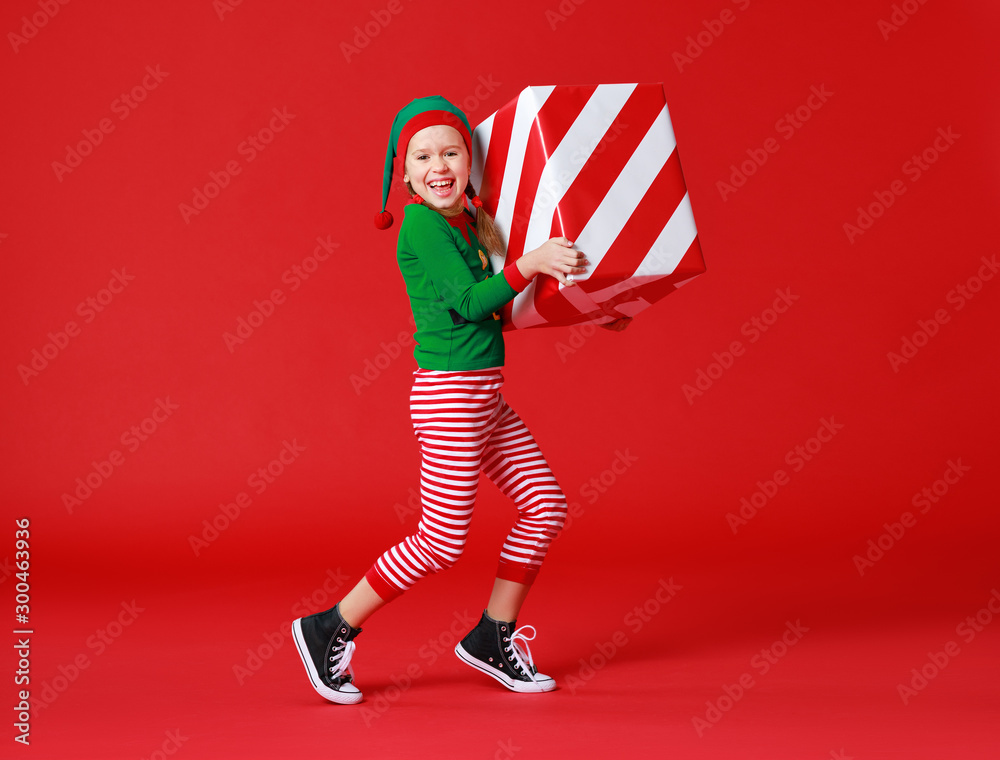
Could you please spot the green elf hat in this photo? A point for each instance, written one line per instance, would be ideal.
(420, 113)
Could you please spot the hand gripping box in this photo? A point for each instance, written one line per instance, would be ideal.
(597, 164)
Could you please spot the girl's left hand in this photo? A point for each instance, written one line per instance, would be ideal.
(618, 325)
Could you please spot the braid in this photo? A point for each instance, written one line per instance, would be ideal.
(486, 228)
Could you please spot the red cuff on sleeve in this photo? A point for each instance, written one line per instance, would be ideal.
(514, 277)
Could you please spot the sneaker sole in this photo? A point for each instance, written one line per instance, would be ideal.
(522, 687)
(339, 697)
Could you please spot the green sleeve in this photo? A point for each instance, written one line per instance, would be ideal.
(431, 241)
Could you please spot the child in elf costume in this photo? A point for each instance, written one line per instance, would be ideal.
(460, 418)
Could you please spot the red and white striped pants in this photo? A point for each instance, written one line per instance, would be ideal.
(463, 425)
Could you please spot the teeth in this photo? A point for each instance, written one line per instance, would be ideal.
(440, 183)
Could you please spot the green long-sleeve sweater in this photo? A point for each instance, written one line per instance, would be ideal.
(453, 294)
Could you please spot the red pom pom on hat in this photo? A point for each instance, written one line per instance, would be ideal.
(383, 220)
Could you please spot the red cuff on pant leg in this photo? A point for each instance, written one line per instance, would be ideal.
(381, 586)
(516, 573)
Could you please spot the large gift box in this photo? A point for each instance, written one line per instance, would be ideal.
(597, 164)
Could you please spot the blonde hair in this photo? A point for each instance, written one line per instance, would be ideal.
(486, 228)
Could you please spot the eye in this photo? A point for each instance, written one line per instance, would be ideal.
(452, 153)
(422, 156)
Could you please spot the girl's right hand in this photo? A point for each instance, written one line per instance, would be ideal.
(556, 258)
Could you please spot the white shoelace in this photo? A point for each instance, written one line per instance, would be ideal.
(519, 639)
(342, 661)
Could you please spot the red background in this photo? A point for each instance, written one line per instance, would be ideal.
(338, 504)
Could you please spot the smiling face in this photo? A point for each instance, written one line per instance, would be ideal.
(437, 166)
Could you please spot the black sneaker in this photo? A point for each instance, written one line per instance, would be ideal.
(500, 650)
(325, 644)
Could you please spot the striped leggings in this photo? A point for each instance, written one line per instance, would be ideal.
(463, 425)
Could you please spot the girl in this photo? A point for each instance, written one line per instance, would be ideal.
(460, 418)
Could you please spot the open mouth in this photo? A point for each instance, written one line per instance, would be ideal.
(441, 187)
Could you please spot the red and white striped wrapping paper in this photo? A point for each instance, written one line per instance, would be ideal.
(597, 164)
